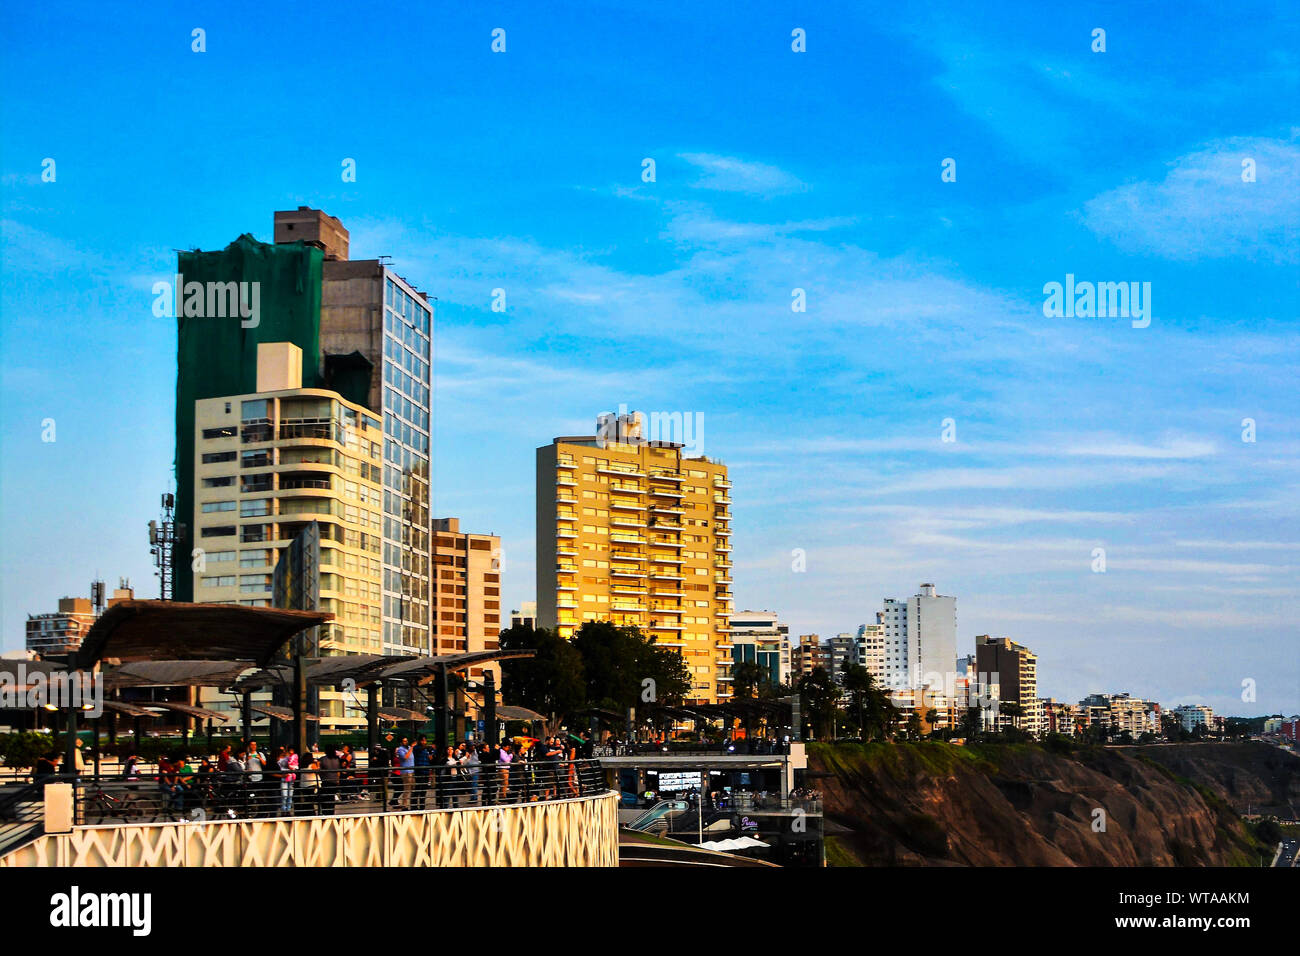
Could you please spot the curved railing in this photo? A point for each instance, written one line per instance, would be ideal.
(219, 795)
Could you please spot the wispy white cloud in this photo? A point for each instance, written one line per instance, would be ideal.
(1202, 209)
(729, 174)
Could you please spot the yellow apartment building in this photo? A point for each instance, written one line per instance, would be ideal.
(635, 532)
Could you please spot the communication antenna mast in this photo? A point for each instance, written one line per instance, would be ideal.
(163, 536)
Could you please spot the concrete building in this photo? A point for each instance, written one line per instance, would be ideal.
(843, 648)
(1012, 671)
(635, 532)
(467, 601)
(1192, 716)
(920, 639)
(870, 649)
(59, 633)
(759, 637)
(525, 616)
(364, 337)
(809, 654)
(1058, 717)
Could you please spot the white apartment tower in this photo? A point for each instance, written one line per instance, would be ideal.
(920, 637)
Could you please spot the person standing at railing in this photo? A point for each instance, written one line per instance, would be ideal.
(469, 760)
(309, 783)
(448, 782)
(424, 755)
(349, 779)
(505, 757)
(487, 758)
(330, 769)
(405, 762)
(288, 764)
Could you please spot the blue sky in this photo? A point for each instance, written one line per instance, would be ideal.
(775, 170)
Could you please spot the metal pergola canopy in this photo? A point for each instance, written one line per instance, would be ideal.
(172, 630)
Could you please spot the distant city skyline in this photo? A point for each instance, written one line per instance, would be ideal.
(781, 178)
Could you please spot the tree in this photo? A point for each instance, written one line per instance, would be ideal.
(623, 668)
(868, 701)
(746, 680)
(820, 694)
(932, 718)
(913, 725)
(551, 682)
(1014, 711)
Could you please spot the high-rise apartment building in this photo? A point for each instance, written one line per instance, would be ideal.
(760, 638)
(809, 654)
(635, 532)
(272, 461)
(870, 649)
(467, 596)
(61, 632)
(843, 648)
(364, 337)
(920, 639)
(1012, 671)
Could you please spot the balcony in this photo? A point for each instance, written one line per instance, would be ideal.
(659, 559)
(565, 533)
(664, 543)
(667, 476)
(660, 510)
(627, 555)
(720, 532)
(722, 514)
(625, 573)
(721, 483)
(625, 539)
(626, 608)
(624, 523)
(565, 499)
(721, 500)
(566, 481)
(620, 474)
(565, 463)
(666, 493)
(665, 576)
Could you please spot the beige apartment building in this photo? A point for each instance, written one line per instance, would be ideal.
(635, 532)
(467, 598)
(269, 463)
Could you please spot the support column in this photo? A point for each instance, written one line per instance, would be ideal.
(490, 708)
(372, 720)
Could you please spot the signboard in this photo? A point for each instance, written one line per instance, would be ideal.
(678, 781)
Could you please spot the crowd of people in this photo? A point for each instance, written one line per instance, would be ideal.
(245, 780)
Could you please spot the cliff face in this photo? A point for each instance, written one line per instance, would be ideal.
(1250, 777)
(1019, 805)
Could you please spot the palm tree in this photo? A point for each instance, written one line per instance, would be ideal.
(932, 718)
